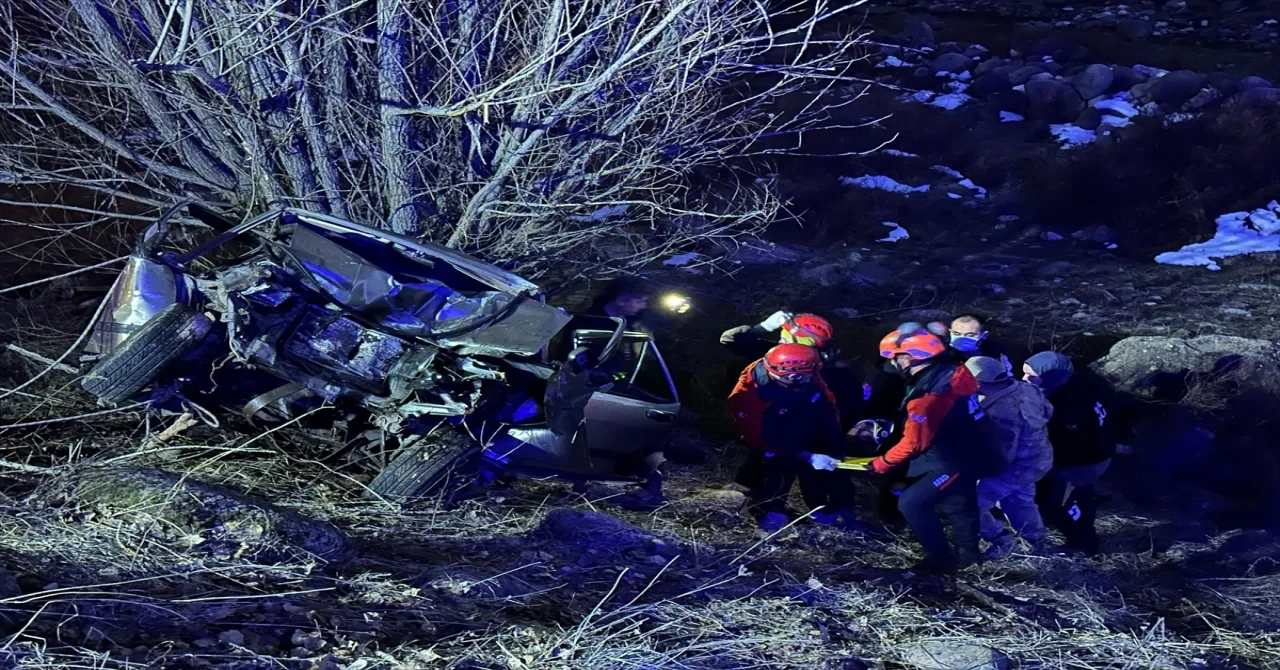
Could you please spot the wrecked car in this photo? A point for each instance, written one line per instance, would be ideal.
(430, 362)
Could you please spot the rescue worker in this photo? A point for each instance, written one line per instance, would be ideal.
(888, 402)
(858, 389)
(968, 336)
(785, 413)
(1019, 415)
(1084, 441)
(946, 445)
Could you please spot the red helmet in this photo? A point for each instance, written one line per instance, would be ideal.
(792, 360)
(809, 329)
(920, 345)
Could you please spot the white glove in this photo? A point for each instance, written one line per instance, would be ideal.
(774, 321)
(822, 462)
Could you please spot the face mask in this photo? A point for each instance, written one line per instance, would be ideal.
(966, 343)
(1034, 380)
(893, 369)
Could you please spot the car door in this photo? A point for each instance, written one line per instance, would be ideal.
(639, 411)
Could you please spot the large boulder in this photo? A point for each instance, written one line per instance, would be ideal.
(993, 82)
(989, 65)
(1177, 87)
(1258, 98)
(1093, 81)
(1254, 82)
(951, 62)
(1011, 101)
(1164, 368)
(1124, 78)
(1207, 96)
(1054, 101)
(1021, 75)
(1089, 119)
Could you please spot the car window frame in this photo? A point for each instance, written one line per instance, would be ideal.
(649, 346)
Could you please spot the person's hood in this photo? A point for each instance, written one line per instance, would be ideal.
(962, 381)
(1053, 368)
(988, 370)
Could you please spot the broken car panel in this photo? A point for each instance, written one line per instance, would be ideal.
(394, 334)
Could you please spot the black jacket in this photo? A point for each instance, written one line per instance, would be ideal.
(1083, 427)
(785, 420)
(963, 439)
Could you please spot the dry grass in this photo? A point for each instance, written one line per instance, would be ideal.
(489, 584)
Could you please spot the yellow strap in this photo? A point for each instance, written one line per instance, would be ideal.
(855, 463)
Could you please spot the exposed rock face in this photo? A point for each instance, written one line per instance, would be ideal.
(1156, 367)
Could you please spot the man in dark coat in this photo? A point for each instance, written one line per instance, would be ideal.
(1084, 440)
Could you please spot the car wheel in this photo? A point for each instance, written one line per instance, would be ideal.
(442, 463)
(168, 336)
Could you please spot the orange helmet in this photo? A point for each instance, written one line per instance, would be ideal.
(920, 345)
(809, 329)
(791, 361)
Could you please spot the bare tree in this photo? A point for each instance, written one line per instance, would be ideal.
(524, 130)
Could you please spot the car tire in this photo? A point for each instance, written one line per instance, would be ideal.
(168, 336)
(431, 466)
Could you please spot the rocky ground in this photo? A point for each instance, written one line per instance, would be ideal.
(943, 202)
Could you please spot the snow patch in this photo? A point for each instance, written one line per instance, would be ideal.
(896, 233)
(950, 101)
(948, 171)
(947, 101)
(1239, 233)
(883, 183)
(1118, 105)
(961, 180)
(681, 260)
(918, 96)
(893, 61)
(1011, 117)
(901, 154)
(1071, 136)
(1149, 71)
(968, 183)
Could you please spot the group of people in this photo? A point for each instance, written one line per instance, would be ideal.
(955, 436)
